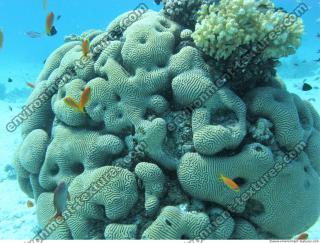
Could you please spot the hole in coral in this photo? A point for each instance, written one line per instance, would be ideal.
(258, 149)
(63, 93)
(142, 40)
(254, 208)
(306, 169)
(278, 97)
(168, 222)
(140, 184)
(240, 181)
(54, 170)
(224, 117)
(77, 168)
(104, 108)
(164, 23)
(159, 29)
(149, 113)
(117, 98)
(120, 115)
(133, 130)
(184, 237)
(161, 65)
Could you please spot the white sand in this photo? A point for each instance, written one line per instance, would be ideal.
(16, 219)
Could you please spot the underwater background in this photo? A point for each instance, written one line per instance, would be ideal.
(22, 58)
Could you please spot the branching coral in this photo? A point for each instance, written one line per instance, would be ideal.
(222, 28)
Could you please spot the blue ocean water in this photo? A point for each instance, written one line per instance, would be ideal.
(22, 58)
(18, 17)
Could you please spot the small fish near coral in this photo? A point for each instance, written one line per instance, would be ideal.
(85, 97)
(85, 47)
(30, 204)
(11, 172)
(306, 87)
(1, 38)
(44, 4)
(50, 29)
(303, 236)
(33, 34)
(30, 85)
(230, 183)
(60, 197)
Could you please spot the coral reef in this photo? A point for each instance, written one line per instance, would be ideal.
(144, 158)
(222, 28)
(245, 39)
(184, 12)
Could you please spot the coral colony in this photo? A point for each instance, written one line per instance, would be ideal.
(188, 132)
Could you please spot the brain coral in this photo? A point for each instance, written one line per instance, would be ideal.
(146, 157)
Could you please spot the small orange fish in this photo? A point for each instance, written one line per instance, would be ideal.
(85, 47)
(30, 204)
(85, 97)
(50, 29)
(31, 85)
(60, 197)
(303, 236)
(230, 183)
(1, 38)
(71, 102)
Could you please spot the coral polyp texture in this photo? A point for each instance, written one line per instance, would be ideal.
(145, 157)
(222, 28)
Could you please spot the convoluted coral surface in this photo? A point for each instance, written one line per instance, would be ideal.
(145, 159)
